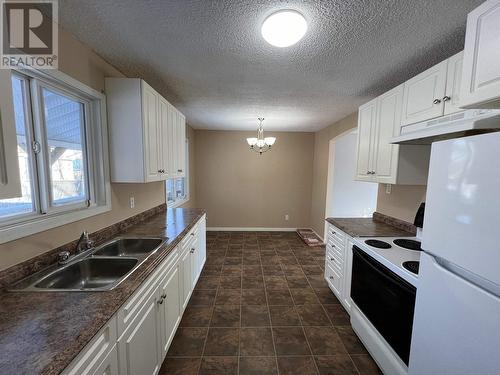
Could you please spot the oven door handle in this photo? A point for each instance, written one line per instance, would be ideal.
(392, 278)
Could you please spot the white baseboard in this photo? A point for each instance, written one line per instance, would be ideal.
(249, 229)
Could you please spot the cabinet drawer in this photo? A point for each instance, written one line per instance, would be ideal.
(334, 233)
(90, 358)
(186, 241)
(335, 247)
(335, 261)
(131, 308)
(109, 366)
(334, 280)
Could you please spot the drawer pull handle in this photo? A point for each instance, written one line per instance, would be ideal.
(331, 277)
(332, 259)
(192, 250)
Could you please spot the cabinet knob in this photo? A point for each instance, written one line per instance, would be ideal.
(437, 101)
(331, 277)
(179, 170)
(192, 250)
(446, 98)
(332, 259)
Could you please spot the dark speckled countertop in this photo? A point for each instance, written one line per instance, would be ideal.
(41, 333)
(377, 226)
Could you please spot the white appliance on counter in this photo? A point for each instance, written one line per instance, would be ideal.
(456, 327)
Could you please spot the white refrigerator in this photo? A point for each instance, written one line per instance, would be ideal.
(456, 327)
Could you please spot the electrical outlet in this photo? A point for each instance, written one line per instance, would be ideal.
(287, 217)
(132, 202)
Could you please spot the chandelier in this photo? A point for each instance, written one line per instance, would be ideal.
(261, 144)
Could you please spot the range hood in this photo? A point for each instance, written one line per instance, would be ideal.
(469, 122)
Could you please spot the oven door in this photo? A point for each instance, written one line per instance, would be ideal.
(385, 299)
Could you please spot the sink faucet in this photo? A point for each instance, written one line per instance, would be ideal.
(84, 243)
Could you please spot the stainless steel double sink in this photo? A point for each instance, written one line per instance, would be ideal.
(98, 269)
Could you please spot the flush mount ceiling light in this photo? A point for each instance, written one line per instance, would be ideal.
(261, 144)
(284, 28)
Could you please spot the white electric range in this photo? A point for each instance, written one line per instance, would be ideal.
(383, 290)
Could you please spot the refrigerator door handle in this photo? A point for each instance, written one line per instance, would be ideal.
(470, 277)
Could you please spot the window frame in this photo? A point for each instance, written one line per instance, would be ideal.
(94, 148)
(180, 202)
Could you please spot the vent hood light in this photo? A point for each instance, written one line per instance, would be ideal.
(284, 28)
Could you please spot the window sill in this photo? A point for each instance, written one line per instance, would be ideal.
(40, 224)
(177, 203)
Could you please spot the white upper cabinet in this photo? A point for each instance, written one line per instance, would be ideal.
(152, 133)
(177, 145)
(145, 135)
(481, 67)
(380, 161)
(366, 130)
(453, 84)
(387, 124)
(10, 184)
(423, 95)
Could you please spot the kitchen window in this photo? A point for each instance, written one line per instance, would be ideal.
(62, 154)
(177, 189)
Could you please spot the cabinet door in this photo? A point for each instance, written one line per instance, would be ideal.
(388, 125)
(151, 133)
(481, 67)
(139, 346)
(170, 308)
(196, 262)
(163, 113)
(172, 143)
(367, 116)
(187, 278)
(202, 244)
(453, 83)
(181, 143)
(346, 291)
(10, 183)
(423, 95)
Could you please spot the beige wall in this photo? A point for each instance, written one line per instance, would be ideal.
(320, 168)
(239, 188)
(402, 202)
(83, 64)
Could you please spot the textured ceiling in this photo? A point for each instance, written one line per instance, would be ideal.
(208, 58)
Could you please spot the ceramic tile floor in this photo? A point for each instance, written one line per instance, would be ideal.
(262, 306)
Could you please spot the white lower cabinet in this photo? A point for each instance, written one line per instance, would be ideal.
(338, 264)
(170, 308)
(138, 347)
(186, 265)
(136, 340)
